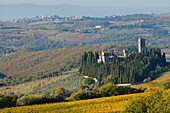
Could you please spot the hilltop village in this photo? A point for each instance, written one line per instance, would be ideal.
(105, 56)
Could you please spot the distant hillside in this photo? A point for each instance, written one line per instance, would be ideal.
(52, 32)
(160, 82)
(70, 82)
(31, 10)
(31, 63)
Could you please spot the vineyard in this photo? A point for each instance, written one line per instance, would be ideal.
(106, 104)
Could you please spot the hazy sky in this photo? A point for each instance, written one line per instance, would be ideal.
(113, 3)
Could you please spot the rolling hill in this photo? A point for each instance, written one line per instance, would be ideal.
(70, 82)
(24, 63)
(159, 82)
(105, 104)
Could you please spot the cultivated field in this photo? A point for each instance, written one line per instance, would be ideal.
(105, 104)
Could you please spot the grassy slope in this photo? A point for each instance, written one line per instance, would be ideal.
(71, 83)
(31, 63)
(157, 83)
(105, 104)
(27, 88)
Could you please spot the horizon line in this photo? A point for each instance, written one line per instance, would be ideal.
(86, 6)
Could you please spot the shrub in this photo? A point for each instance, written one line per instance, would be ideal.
(109, 79)
(108, 90)
(7, 101)
(37, 86)
(89, 81)
(30, 100)
(60, 91)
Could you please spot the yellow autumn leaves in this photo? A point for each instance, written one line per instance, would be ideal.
(105, 104)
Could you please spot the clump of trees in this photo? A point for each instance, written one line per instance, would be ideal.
(13, 100)
(60, 91)
(20, 100)
(31, 100)
(89, 81)
(7, 101)
(132, 69)
(104, 91)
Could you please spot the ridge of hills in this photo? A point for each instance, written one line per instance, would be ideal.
(24, 63)
(30, 10)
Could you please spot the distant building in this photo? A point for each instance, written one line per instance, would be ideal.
(125, 52)
(98, 27)
(128, 84)
(141, 45)
(78, 17)
(104, 57)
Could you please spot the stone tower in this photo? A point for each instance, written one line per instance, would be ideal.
(141, 45)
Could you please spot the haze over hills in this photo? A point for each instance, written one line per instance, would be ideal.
(30, 10)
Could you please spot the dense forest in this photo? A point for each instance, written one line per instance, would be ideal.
(132, 69)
